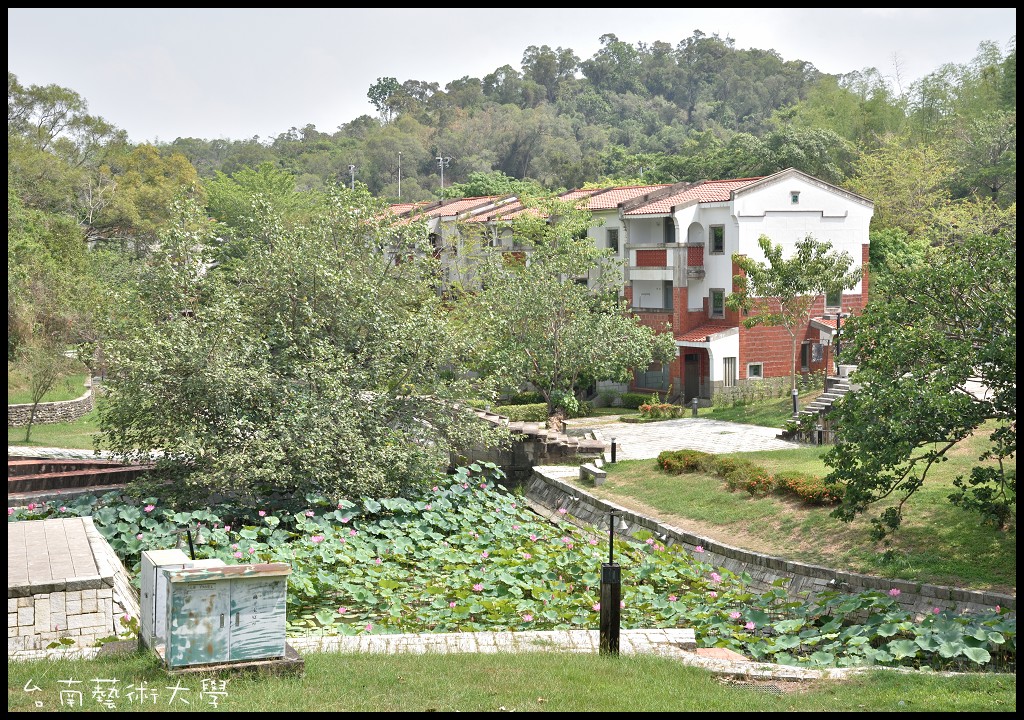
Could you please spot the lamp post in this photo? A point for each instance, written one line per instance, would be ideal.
(611, 591)
(352, 172)
(839, 327)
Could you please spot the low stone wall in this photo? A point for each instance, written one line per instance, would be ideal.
(83, 609)
(535, 446)
(547, 491)
(53, 412)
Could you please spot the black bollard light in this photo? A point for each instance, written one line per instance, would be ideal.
(613, 449)
(611, 593)
(796, 402)
(693, 404)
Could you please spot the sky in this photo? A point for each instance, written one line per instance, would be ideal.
(220, 73)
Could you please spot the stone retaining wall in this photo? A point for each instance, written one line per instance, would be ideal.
(53, 412)
(547, 492)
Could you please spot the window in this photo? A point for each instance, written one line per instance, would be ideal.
(655, 377)
(670, 230)
(834, 299)
(729, 365)
(716, 239)
(755, 371)
(794, 197)
(666, 291)
(805, 356)
(717, 303)
(613, 240)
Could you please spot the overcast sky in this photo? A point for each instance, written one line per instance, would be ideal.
(163, 73)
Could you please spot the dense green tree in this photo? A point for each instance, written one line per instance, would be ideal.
(534, 325)
(936, 362)
(781, 291)
(317, 365)
(380, 94)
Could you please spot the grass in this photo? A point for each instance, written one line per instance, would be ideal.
(610, 411)
(76, 435)
(769, 413)
(69, 387)
(938, 543)
(525, 682)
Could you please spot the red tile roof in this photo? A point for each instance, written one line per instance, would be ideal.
(707, 191)
(609, 199)
(456, 207)
(701, 332)
(827, 321)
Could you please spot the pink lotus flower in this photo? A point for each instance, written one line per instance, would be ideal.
(345, 520)
(749, 625)
(234, 546)
(485, 554)
(317, 539)
(238, 555)
(513, 506)
(309, 513)
(596, 607)
(352, 532)
(465, 486)
(451, 604)
(527, 617)
(592, 541)
(478, 587)
(562, 511)
(567, 540)
(63, 509)
(10, 511)
(252, 550)
(227, 528)
(527, 556)
(427, 507)
(339, 506)
(435, 489)
(895, 592)
(369, 627)
(342, 610)
(139, 536)
(378, 561)
(149, 508)
(263, 513)
(936, 611)
(712, 594)
(699, 549)
(716, 577)
(650, 541)
(483, 486)
(672, 598)
(734, 615)
(515, 527)
(622, 604)
(31, 506)
(533, 537)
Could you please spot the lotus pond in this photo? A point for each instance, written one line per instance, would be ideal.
(467, 555)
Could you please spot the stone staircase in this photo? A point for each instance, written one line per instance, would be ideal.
(37, 479)
(837, 387)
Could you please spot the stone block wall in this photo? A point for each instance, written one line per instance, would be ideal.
(53, 412)
(547, 491)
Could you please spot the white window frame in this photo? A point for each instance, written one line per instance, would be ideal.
(612, 236)
(711, 239)
(711, 303)
(760, 371)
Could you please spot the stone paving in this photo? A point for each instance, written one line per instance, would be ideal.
(641, 441)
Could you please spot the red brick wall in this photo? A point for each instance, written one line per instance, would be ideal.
(651, 258)
(695, 256)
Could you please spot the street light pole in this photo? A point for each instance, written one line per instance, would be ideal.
(442, 162)
(352, 172)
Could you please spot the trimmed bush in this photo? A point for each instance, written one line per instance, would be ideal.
(634, 400)
(525, 398)
(808, 488)
(524, 413)
(685, 461)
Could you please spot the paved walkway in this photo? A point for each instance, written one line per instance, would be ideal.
(641, 441)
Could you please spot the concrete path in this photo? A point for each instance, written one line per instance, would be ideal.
(640, 441)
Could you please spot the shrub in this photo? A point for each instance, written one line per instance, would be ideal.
(634, 400)
(659, 411)
(525, 398)
(585, 409)
(808, 488)
(537, 412)
(685, 461)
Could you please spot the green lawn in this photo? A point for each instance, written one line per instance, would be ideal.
(529, 682)
(937, 543)
(76, 435)
(68, 387)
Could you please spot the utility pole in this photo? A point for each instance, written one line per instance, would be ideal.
(442, 162)
(399, 175)
(352, 172)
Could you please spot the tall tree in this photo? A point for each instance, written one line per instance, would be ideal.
(534, 324)
(317, 365)
(781, 291)
(936, 363)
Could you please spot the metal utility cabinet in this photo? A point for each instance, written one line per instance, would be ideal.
(153, 595)
(225, 614)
